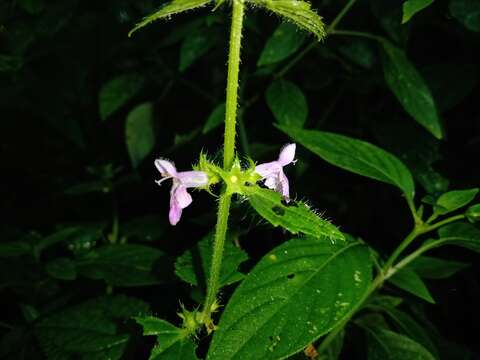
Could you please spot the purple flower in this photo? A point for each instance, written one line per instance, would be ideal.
(272, 172)
(179, 197)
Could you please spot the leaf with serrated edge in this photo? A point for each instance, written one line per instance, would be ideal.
(295, 216)
(295, 294)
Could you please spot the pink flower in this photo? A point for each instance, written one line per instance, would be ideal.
(272, 172)
(179, 197)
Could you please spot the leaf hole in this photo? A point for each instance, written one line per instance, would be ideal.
(290, 276)
(278, 210)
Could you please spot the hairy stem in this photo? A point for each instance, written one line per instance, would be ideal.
(213, 284)
(219, 242)
(232, 83)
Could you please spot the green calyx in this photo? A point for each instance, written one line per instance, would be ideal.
(236, 179)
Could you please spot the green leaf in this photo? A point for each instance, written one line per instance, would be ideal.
(172, 343)
(89, 330)
(287, 103)
(194, 46)
(140, 133)
(473, 213)
(13, 249)
(296, 11)
(166, 11)
(296, 293)
(459, 234)
(33, 7)
(215, 118)
(410, 89)
(359, 51)
(144, 228)
(285, 40)
(62, 268)
(117, 92)
(435, 268)
(454, 200)
(194, 265)
(411, 7)
(10, 63)
(409, 281)
(294, 216)
(356, 156)
(125, 265)
(387, 345)
(467, 12)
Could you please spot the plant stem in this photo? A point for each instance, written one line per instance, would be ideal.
(312, 45)
(403, 245)
(219, 242)
(228, 156)
(357, 33)
(232, 83)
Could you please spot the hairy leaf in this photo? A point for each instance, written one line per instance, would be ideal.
(194, 265)
(295, 294)
(287, 103)
(411, 7)
(172, 343)
(294, 216)
(172, 8)
(355, 155)
(410, 89)
(296, 11)
(285, 40)
(139, 133)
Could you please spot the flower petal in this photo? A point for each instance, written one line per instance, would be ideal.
(181, 196)
(268, 169)
(287, 154)
(193, 178)
(175, 213)
(166, 167)
(283, 186)
(271, 182)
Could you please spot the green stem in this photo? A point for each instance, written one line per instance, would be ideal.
(312, 45)
(357, 33)
(219, 242)
(445, 222)
(213, 285)
(232, 83)
(403, 245)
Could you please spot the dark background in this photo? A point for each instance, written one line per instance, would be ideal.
(61, 53)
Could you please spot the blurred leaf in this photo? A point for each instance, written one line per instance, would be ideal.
(454, 200)
(62, 268)
(144, 228)
(409, 281)
(10, 63)
(194, 265)
(195, 45)
(388, 345)
(411, 7)
(287, 103)
(459, 234)
(410, 89)
(117, 92)
(14, 248)
(389, 14)
(435, 268)
(215, 119)
(385, 301)
(298, 12)
(169, 9)
(172, 343)
(87, 187)
(294, 216)
(89, 330)
(140, 133)
(285, 40)
(360, 51)
(33, 7)
(356, 156)
(416, 148)
(467, 12)
(473, 213)
(298, 292)
(334, 350)
(124, 265)
(450, 83)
